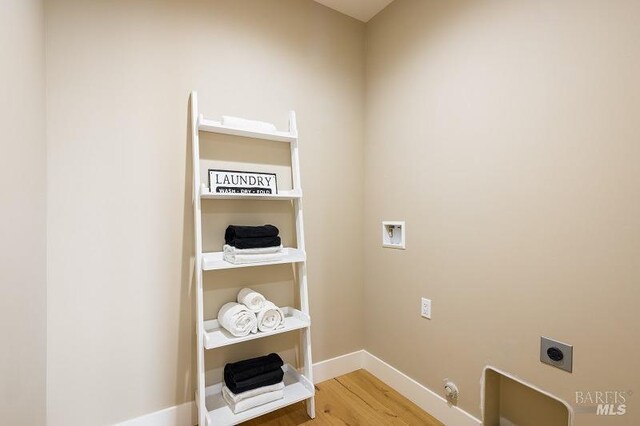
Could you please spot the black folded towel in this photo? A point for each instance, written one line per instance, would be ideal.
(253, 373)
(244, 369)
(255, 382)
(237, 231)
(250, 243)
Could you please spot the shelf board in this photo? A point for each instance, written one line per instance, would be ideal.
(215, 261)
(215, 336)
(205, 125)
(297, 388)
(282, 195)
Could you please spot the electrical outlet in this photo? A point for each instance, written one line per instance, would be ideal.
(556, 353)
(425, 308)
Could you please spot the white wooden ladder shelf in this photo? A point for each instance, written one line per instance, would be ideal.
(212, 410)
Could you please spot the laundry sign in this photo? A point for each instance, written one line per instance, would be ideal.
(236, 182)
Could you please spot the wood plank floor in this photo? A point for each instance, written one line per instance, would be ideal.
(357, 398)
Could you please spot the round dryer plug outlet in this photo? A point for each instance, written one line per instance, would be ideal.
(451, 391)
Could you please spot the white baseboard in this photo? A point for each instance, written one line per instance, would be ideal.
(420, 395)
(178, 415)
(334, 367)
(185, 414)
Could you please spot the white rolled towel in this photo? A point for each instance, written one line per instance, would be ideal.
(237, 319)
(253, 300)
(243, 123)
(270, 317)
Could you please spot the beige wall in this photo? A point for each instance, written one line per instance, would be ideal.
(506, 135)
(22, 214)
(120, 220)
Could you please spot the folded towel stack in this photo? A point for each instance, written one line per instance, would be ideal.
(253, 382)
(252, 244)
(252, 313)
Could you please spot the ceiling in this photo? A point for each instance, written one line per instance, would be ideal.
(362, 10)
